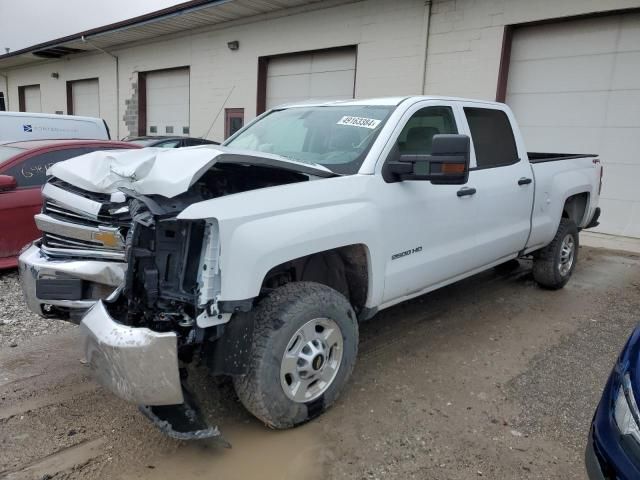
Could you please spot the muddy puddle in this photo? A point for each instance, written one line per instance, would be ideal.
(256, 452)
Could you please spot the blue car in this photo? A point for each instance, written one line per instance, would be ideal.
(613, 448)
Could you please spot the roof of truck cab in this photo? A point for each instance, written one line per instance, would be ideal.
(382, 101)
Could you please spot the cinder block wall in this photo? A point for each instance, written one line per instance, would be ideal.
(465, 38)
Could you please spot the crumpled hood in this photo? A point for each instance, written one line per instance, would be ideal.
(162, 171)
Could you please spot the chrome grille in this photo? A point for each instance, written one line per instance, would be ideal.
(64, 214)
(78, 223)
(60, 241)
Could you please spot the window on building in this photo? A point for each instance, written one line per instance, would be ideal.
(233, 121)
(492, 136)
(3, 106)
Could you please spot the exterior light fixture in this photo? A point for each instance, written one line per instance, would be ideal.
(234, 45)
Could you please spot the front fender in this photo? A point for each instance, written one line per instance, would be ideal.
(256, 247)
(264, 228)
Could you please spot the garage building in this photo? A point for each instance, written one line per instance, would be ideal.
(570, 70)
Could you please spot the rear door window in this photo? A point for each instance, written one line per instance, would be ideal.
(492, 136)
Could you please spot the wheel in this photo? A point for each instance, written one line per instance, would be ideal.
(554, 264)
(305, 344)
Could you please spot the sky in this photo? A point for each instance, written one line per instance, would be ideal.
(26, 23)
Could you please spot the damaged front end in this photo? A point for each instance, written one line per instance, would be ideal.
(167, 314)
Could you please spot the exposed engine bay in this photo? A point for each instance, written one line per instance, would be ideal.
(173, 274)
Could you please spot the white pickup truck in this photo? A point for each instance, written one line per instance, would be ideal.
(260, 257)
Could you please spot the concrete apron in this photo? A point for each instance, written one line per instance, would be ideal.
(610, 242)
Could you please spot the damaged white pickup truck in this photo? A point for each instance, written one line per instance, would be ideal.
(259, 257)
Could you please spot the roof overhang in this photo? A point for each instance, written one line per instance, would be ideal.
(178, 18)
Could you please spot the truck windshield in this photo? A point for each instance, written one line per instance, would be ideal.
(338, 137)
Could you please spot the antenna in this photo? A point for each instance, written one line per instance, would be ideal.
(218, 114)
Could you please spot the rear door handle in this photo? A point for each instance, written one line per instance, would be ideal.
(524, 181)
(465, 191)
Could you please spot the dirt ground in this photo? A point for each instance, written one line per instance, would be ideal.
(489, 378)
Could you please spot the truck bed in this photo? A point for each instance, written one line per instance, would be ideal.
(539, 157)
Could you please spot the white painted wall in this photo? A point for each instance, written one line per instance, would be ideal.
(465, 38)
(54, 90)
(390, 60)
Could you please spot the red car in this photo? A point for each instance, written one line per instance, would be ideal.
(23, 167)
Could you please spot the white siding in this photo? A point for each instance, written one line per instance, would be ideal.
(85, 97)
(319, 76)
(575, 87)
(168, 102)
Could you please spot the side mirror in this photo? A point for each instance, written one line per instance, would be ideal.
(448, 163)
(7, 182)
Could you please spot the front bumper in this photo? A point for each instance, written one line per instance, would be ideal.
(592, 461)
(136, 364)
(608, 455)
(97, 279)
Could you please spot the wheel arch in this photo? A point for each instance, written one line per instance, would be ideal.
(576, 208)
(346, 269)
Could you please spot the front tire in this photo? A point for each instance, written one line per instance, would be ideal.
(305, 344)
(554, 264)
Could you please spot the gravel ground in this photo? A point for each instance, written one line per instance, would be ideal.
(558, 387)
(490, 378)
(17, 323)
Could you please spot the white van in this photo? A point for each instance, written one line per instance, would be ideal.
(38, 126)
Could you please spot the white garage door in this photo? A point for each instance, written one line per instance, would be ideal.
(32, 100)
(575, 87)
(168, 102)
(85, 98)
(319, 76)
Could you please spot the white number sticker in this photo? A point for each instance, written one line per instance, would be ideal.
(359, 122)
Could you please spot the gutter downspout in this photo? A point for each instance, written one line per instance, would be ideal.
(84, 40)
(6, 91)
(427, 22)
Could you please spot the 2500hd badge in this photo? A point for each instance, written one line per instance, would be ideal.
(396, 256)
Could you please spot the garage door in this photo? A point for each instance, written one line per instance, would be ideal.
(575, 87)
(320, 76)
(32, 100)
(85, 98)
(168, 102)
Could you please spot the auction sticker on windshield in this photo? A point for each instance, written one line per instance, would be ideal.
(359, 122)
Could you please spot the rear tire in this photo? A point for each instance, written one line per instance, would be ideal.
(554, 264)
(305, 344)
